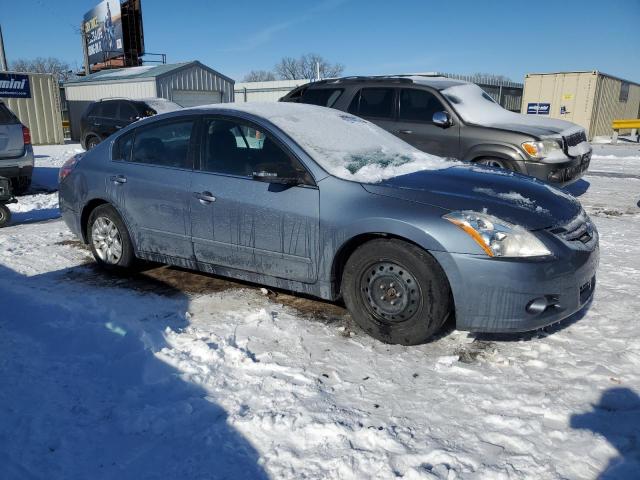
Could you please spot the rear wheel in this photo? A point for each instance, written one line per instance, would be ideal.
(109, 239)
(5, 215)
(396, 291)
(92, 142)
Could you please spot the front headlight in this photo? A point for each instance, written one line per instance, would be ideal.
(496, 237)
(543, 148)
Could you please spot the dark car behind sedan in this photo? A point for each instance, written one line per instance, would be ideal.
(105, 117)
(318, 201)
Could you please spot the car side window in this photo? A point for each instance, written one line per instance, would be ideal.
(95, 110)
(418, 105)
(324, 97)
(123, 146)
(373, 102)
(110, 110)
(127, 112)
(164, 144)
(238, 148)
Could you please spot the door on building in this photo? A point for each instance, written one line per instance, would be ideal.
(193, 98)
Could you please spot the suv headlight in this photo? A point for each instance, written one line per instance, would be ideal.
(496, 237)
(543, 148)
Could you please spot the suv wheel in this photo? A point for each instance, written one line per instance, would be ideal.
(495, 162)
(92, 142)
(396, 291)
(109, 239)
(5, 215)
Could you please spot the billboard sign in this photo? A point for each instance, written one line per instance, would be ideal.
(538, 108)
(103, 31)
(14, 85)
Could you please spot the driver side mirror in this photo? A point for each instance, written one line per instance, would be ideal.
(442, 119)
(272, 177)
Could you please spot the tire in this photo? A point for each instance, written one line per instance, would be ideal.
(5, 216)
(92, 142)
(22, 185)
(402, 273)
(495, 163)
(109, 239)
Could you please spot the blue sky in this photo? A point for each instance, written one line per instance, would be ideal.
(368, 37)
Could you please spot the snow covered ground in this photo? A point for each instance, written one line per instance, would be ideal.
(172, 374)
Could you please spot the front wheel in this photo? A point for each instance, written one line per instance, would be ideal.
(396, 291)
(92, 142)
(109, 239)
(495, 163)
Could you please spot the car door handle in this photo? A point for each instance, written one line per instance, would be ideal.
(118, 179)
(205, 198)
(406, 132)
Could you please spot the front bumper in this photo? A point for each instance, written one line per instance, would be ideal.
(561, 173)
(491, 295)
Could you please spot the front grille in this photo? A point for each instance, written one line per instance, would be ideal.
(575, 138)
(580, 229)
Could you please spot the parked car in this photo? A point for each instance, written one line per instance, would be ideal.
(16, 152)
(314, 200)
(457, 119)
(105, 117)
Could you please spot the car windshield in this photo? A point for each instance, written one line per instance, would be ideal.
(344, 145)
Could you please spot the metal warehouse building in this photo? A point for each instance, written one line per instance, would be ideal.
(38, 107)
(188, 84)
(591, 99)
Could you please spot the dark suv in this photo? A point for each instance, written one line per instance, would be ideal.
(104, 117)
(453, 118)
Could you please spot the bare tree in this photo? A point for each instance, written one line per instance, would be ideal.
(488, 77)
(259, 76)
(306, 67)
(59, 68)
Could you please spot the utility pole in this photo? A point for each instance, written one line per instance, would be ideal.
(3, 57)
(317, 70)
(85, 52)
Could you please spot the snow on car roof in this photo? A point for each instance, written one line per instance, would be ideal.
(346, 146)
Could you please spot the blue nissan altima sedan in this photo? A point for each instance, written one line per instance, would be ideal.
(318, 201)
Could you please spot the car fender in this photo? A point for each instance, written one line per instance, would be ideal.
(495, 150)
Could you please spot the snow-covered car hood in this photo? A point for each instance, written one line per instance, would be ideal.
(510, 196)
(475, 106)
(536, 126)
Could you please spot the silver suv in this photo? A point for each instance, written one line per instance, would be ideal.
(457, 119)
(16, 152)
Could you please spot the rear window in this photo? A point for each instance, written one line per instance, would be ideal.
(110, 110)
(323, 97)
(373, 102)
(6, 116)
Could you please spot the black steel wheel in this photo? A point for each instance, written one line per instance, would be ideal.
(396, 291)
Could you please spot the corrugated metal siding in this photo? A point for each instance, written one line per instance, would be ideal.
(609, 107)
(194, 79)
(270, 91)
(98, 91)
(40, 113)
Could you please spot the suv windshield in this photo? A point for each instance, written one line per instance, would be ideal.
(324, 97)
(475, 105)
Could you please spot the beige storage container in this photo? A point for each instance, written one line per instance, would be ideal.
(41, 112)
(591, 99)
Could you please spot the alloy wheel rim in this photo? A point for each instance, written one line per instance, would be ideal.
(107, 240)
(390, 292)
